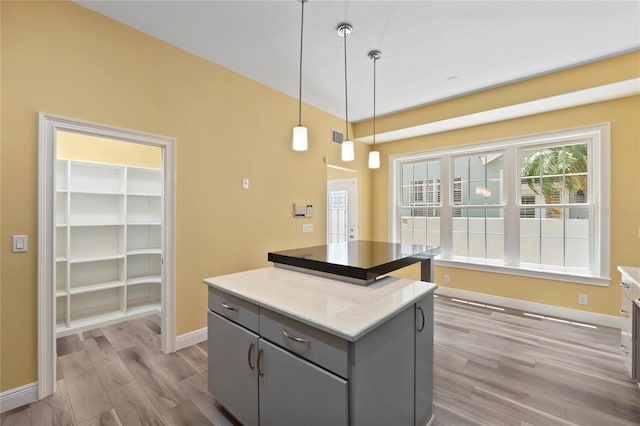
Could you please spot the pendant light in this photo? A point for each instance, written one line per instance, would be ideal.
(348, 153)
(374, 156)
(300, 132)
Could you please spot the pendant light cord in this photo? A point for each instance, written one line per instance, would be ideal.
(300, 81)
(346, 99)
(374, 100)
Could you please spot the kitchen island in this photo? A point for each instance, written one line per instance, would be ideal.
(290, 348)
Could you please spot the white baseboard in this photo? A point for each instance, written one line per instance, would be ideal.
(18, 397)
(191, 338)
(533, 307)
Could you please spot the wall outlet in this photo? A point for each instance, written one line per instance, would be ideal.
(447, 278)
(583, 299)
(307, 227)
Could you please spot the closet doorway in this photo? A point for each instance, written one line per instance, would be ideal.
(106, 232)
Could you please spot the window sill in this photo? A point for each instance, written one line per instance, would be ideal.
(525, 271)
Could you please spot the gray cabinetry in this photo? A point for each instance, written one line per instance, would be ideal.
(233, 374)
(295, 392)
(270, 369)
(424, 361)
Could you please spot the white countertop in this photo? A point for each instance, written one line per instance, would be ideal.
(631, 273)
(346, 310)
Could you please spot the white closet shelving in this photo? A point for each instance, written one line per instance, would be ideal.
(108, 243)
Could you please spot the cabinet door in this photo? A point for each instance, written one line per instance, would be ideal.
(233, 375)
(424, 361)
(296, 392)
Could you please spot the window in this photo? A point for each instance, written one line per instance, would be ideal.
(421, 202)
(533, 205)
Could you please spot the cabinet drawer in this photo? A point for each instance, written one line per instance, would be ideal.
(630, 289)
(315, 345)
(237, 310)
(626, 315)
(627, 347)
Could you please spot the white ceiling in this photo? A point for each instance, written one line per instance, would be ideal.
(431, 50)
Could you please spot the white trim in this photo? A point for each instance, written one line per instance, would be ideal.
(191, 338)
(525, 272)
(620, 89)
(17, 397)
(49, 125)
(533, 307)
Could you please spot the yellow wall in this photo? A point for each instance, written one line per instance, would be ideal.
(60, 58)
(77, 146)
(624, 116)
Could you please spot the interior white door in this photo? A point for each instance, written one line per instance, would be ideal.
(342, 210)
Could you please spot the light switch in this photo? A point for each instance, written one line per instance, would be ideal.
(245, 183)
(307, 227)
(19, 243)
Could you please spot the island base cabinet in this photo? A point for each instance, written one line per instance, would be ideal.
(295, 392)
(233, 373)
(262, 384)
(424, 361)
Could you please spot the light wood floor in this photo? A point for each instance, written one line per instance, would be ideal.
(491, 368)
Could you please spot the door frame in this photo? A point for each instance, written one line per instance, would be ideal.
(49, 125)
(347, 181)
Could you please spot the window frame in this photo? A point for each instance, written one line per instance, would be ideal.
(597, 137)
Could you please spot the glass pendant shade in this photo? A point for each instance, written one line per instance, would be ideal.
(300, 138)
(348, 153)
(374, 159)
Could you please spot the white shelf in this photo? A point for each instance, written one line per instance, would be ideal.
(96, 287)
(108, 243)
(144, 251)
(76, 260)
(147, 279)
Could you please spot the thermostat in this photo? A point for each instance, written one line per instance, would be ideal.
(302, 210)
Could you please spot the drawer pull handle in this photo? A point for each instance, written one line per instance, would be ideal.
(623, 348)
(624, 313)
(294, 338)
(423, 320)
(251, 346)
(624, 285)
(229, 307)
(260, 371)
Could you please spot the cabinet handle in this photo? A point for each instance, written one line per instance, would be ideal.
(423, 319)
(624, 285)
(294, 338)
(260, 372)
(623, 348)
(624, 313)
(251, 346)
(229, 307)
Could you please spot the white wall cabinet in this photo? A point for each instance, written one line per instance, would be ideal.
(108, 243)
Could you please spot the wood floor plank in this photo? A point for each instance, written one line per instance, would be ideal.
(196, 357)
(55, 409)
(133, 406)
(185, 414)
(107, 364)
(173, 365)
(68, 344)
(195, 389)
(20, 416)
(108, 418)
(88, 397)
(119, 337)
(160, 389)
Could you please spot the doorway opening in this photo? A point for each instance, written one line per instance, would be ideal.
(106, 233)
